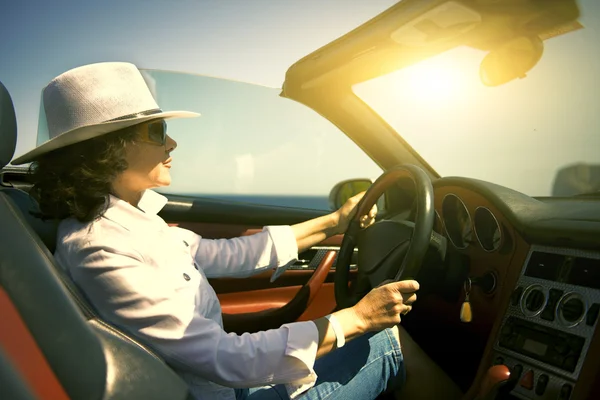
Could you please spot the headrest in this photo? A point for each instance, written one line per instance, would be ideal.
(8, 127)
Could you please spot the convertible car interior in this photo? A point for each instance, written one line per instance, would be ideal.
(510, 284)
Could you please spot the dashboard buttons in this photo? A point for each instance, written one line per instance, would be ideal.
(542, 383)
(565, 392)
(527, 380)
(516, 371)
(561, 348)
(592, 314)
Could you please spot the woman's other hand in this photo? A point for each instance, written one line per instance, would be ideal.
(383, 306)
(346, 212)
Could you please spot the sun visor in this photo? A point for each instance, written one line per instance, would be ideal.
(443, 23)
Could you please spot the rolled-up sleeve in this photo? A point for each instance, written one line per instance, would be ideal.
(135, 296)
(273, 248)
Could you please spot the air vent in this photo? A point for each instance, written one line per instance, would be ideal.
(585, 272)
(571, 309)
(533, 300)
(545, 265)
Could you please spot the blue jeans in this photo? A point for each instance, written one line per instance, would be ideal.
(363, 369)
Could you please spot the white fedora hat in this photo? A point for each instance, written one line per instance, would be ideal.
(93, 100)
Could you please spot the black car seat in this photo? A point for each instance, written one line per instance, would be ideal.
(87, 358)
(12, 385)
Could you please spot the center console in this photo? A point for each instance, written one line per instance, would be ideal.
(550, 322)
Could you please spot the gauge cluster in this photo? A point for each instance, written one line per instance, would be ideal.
(487, 229)
(457, 221)
(464, 229)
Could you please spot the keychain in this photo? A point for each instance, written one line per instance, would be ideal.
(465, 310)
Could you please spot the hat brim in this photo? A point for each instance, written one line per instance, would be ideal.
(91, 131)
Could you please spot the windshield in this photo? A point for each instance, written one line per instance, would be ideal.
(538, 135)
(250, 144)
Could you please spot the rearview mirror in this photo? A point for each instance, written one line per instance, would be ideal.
(511, 60)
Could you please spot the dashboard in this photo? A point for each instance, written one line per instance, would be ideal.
(551, 320)
(541, 317)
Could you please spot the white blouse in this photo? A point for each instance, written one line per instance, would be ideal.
(150, 279)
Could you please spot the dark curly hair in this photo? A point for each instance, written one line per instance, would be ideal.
(76, 180)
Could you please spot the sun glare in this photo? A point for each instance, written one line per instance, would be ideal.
(434, 81)
(438, 82)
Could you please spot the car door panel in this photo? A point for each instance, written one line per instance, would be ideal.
(208, 210)
(257, 300)
(215, 219)
(260, 300)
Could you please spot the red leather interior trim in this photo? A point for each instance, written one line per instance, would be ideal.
(25, 355)
(239, 303)
(256, 300)
(323, 304)
(318, 277)
(273, 298)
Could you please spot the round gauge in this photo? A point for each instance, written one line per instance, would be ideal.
(457, 221)
(487, 229)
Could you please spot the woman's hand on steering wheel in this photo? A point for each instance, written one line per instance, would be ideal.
(384, 305)
(388, 249)
(348, 210)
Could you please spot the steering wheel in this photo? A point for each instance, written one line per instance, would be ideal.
(388, 249)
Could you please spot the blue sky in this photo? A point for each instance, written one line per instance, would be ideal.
(516, 135)
(253, 41)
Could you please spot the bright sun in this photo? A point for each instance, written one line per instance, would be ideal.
(434, 82)
(429, 82)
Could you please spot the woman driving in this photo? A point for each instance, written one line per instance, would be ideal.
(108, 148)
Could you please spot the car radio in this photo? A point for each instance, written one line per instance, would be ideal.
(550, 346)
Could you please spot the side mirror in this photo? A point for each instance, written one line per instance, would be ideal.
(511, 60)
(344, 190)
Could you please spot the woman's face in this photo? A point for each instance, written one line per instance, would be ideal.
(149, 163)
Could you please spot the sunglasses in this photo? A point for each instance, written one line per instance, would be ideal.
(154, 132)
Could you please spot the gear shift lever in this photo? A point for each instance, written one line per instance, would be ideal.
(495, 377)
